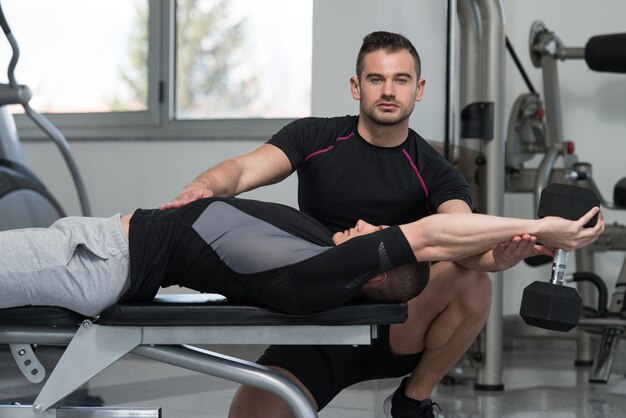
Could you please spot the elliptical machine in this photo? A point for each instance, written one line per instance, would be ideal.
(24, 200)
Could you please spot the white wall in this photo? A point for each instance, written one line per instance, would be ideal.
(335, 48)
(123, 175)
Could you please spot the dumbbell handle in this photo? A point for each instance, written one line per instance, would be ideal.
(559, 264)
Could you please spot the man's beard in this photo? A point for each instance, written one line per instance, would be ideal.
(395, 120)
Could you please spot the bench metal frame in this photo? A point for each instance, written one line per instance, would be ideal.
(94, 345)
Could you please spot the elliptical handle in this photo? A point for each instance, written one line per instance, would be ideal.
(3, 22)
(16, 50)
(22, 96)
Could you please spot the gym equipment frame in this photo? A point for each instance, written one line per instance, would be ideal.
(497, 166)
(531, 133)
(165, 330)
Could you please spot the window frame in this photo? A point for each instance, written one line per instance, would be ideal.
(158, 120)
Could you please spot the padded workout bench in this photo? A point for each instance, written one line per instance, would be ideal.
(165, 330)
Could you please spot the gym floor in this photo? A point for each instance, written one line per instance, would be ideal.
(539, 376)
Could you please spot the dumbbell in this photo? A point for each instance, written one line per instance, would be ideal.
(551, 305)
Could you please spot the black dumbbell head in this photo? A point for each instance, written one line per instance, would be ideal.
(551, 306)
(567, 201)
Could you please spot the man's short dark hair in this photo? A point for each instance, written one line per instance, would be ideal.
(389, 42)
(402, 284)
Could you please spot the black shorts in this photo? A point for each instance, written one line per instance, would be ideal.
(328, 369)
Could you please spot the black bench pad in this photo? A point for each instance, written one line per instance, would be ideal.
(40, 315)
(205, 310)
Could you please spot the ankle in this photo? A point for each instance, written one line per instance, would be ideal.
(416, 392)
(398, 405)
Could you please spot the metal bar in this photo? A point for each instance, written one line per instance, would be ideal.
(10, 148)
(525, 181)
(621, 279)
(565, 53)
(612, 239)
(552, 99)
(451, 105)
(233, 369)
(607, 351)
(490, 377)
(255, 334)
(15, 334)
(240, 334)
(25, 411)
(470, 36)
(559, 264)
(585, 350)
(544, 172)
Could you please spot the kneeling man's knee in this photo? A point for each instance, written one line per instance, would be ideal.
(476, 293)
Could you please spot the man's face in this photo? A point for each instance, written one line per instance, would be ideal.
(361, 228)
(388, 87)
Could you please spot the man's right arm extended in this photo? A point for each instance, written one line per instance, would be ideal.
(265, 165)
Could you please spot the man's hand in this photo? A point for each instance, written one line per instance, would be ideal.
(508, 253)
(193, 191)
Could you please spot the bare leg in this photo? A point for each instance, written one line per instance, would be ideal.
(443, 322)
(250, 402)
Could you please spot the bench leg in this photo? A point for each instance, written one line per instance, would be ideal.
(605, 357)
(25, 411)
(92, 349)
(232, 369)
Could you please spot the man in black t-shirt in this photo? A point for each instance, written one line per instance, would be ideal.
(372, 167)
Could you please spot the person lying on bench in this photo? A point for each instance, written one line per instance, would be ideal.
(252, 252)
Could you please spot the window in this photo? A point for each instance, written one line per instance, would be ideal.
(235, 59)
(163, 67)
(81, 57)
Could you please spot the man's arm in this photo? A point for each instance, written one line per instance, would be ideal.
(265, 165)
(460, 235)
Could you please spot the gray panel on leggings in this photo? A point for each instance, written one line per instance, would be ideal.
(250, 245)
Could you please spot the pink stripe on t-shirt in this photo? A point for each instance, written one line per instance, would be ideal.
(313, 154)
(419, 177)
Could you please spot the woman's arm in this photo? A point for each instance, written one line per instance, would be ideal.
(460, 235)
(504, 255)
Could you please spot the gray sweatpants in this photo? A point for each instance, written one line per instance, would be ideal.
(77, 263)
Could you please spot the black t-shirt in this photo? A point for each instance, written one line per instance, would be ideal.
(255, 252)
(343, 178)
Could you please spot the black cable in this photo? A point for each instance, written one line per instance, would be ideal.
(519, 65)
